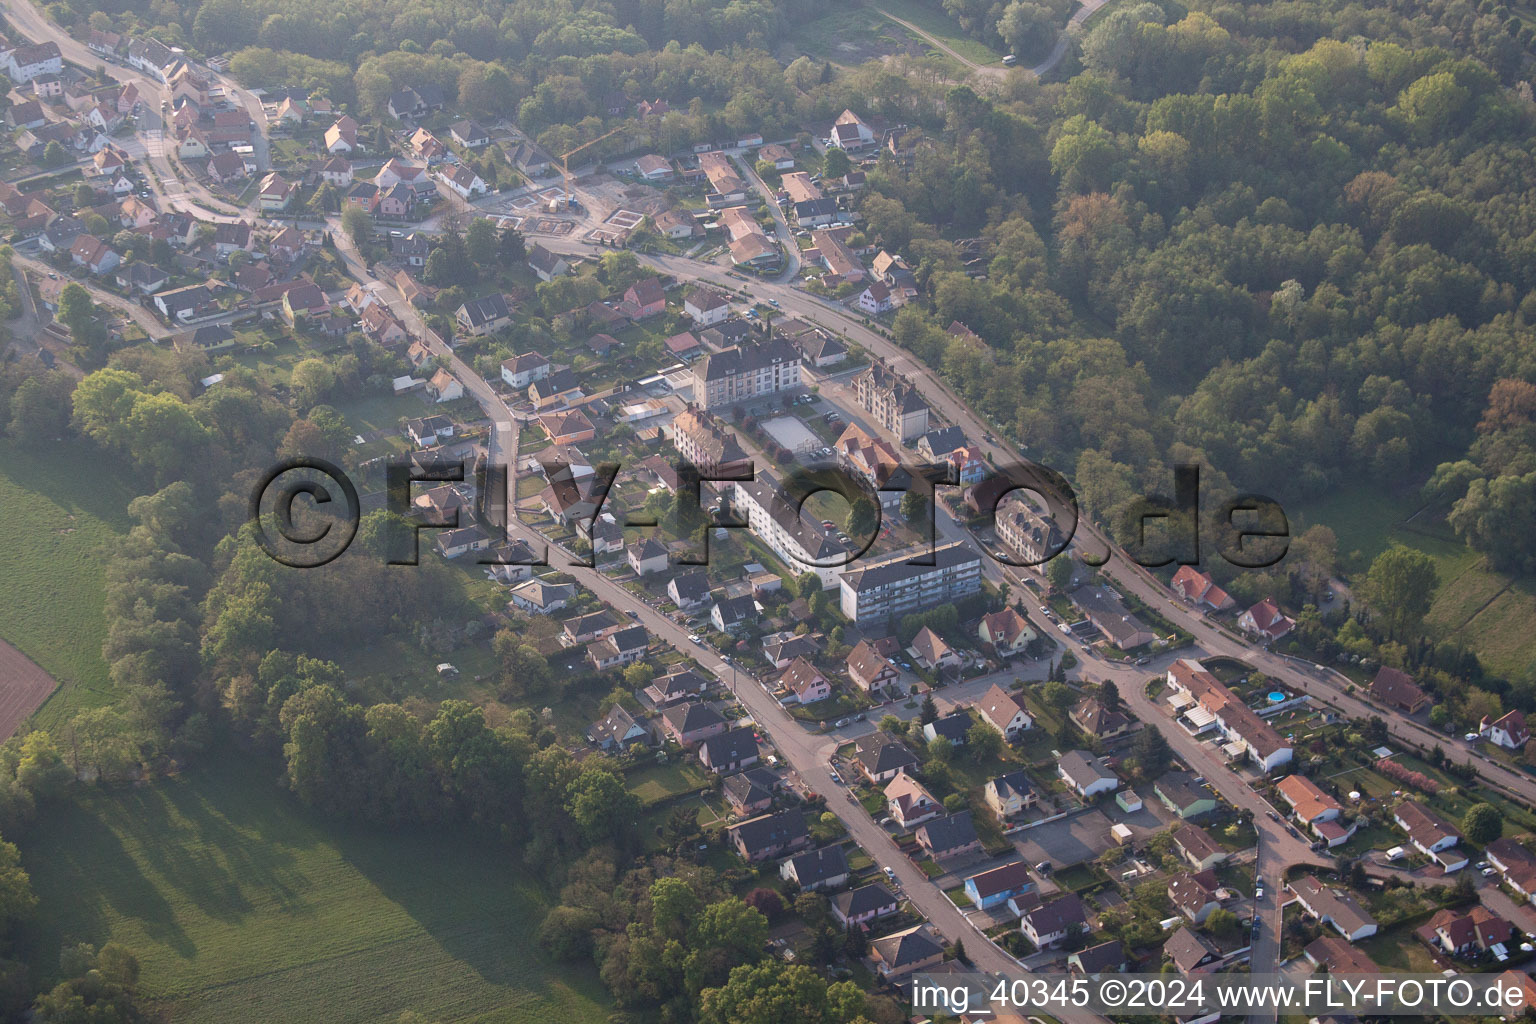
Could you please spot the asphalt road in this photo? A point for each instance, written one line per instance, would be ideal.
(172, 189)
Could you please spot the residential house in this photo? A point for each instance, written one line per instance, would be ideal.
(461, 541)
(654, 168)
(706, 306)
(341, 137)
(381, 327)
(689, 591)
(274, 193)
(1198, 848)
(1516, 863)
(141, 276)
(892, 400)
(287, 244)
(305, 301)
(617, 730)
(546, 265)
(522, 370)
(1111, 617)
(1007, 631)
(749, 793)
(1339, 957)
(336, 171)
(730, 751)
(619, 648)
(1191, 952)
(397, 201)
(1104, 958)
(781, 649)
(485, 315)
(817, 870)
(1333, 907)
(1182, 795)
(864, 905)
(996, 886)
(875, 299)
(1010, 795)
(542, 597)
(1396, 689)
(732, 614)
(1087, 776)
(1266, 620)
(1199, 589)
(649, 556)
(951, 727)
(770, 835)
(469, 134)
(1091, 716)
(1050, 923)
(644, 299)
(1221, 709)
(910, 804)
(1311, 806)
(93, 254)
(904, 952)
(583, 629)
(870, 671)
(1194, 896)
(803, 683)
(225, 168)
(676, 686)
(1005, 712)
(930, 651)
(881, 757)
(780, 156)
(530, 159)
(851, 133)
(1478, 931)
(951, 836)
(1508, 731)
(462, 180)
(677, 225)
(1430, 834)
(560, 388)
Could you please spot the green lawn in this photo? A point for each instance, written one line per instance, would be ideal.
(930, 17)
(62, 509)
(242, 907)
(658, 782)
(1487, 610)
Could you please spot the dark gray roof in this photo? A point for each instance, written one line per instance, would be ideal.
(771, 829)
(820, 865)
(692, 716)
(950, 833)
(880, 753)
(731, 745)
(863, 900)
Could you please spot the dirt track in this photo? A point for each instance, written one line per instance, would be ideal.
(23, 688)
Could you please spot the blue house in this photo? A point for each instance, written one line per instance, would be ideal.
(998, 885)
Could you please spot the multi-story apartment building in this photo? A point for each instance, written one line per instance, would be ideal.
(745, 372)
(892, 587)
(893, 401)
(700, 439)
(799, 541)
(1027, 533)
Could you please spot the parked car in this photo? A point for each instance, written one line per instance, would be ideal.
(694, 638)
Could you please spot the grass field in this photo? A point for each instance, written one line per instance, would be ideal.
(243, 908)
(930, 17)
(62, 507)
(1487, 610)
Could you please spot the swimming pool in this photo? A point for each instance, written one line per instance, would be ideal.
(1275, 696)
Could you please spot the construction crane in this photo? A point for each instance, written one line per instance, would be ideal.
(565, 166)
